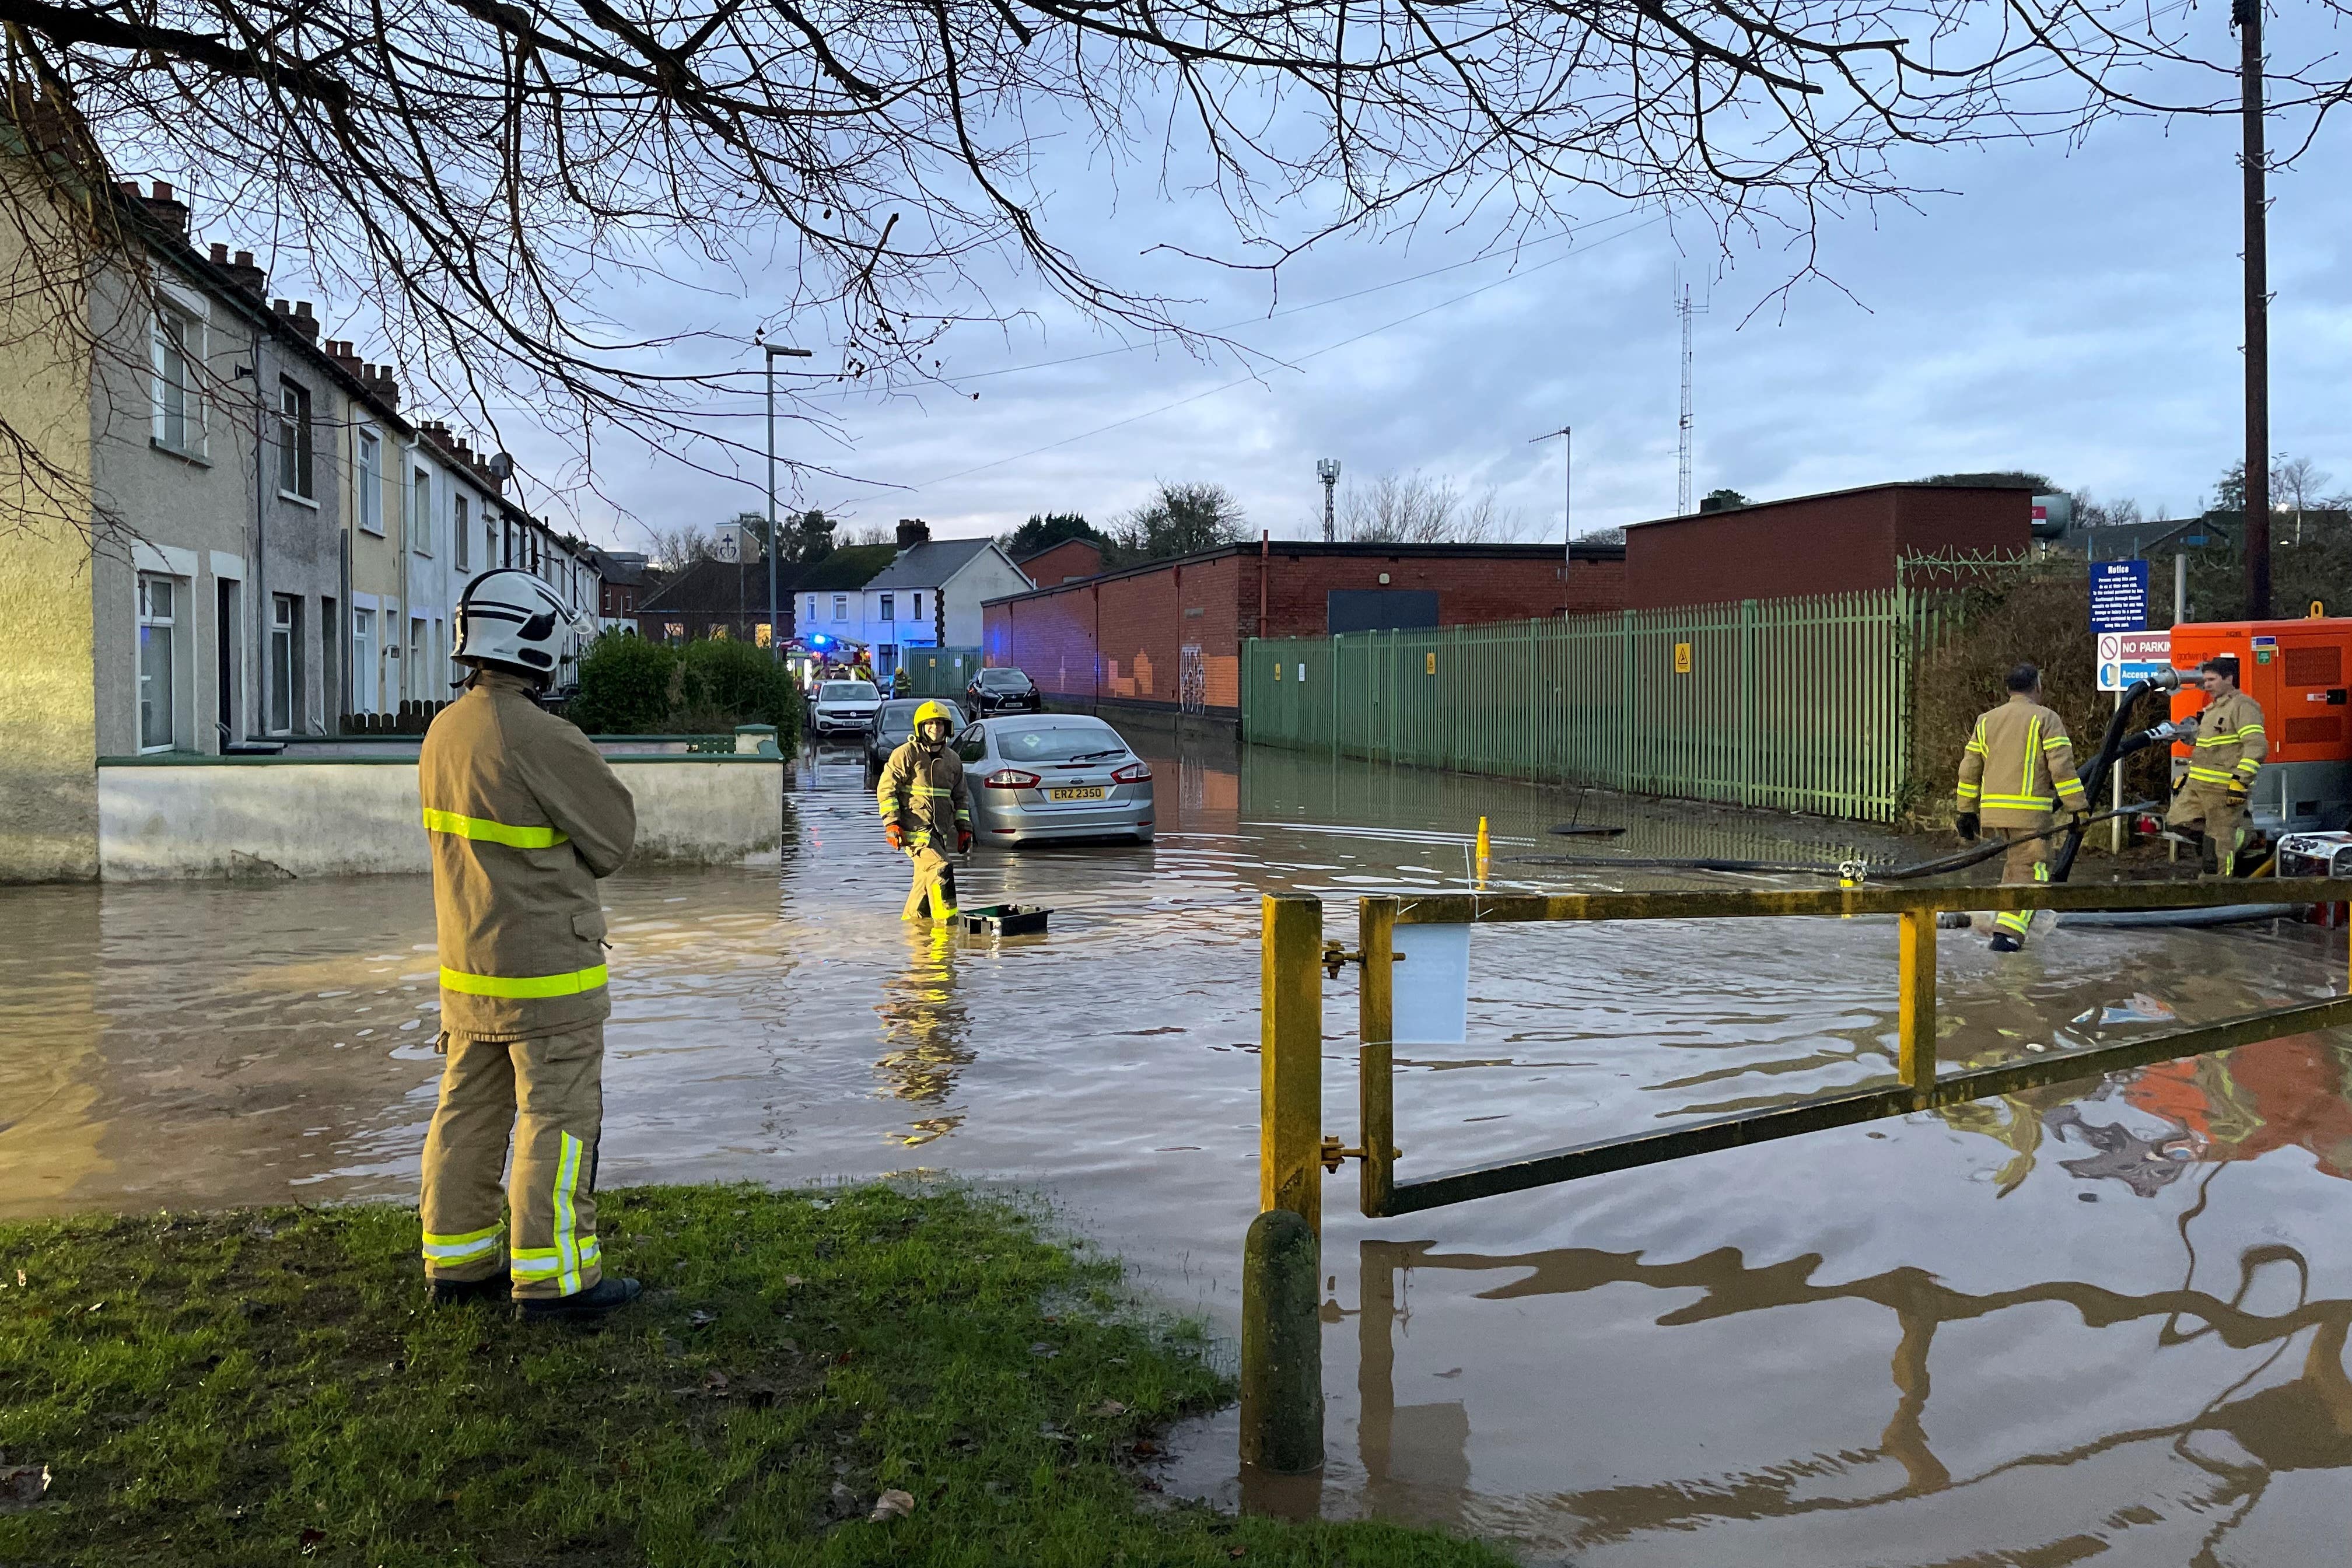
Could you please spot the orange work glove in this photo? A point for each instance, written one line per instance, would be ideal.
(895, 834)
(963, 839)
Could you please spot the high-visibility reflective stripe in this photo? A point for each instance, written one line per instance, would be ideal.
(2055, 743)
(2032, 750)
(2020, 802)
(2250, 731)
(482, 827)
(1970, 791)
(2211, 775)
(2070, 788)
(460, 1248)
(534, 1263)
(567, 1219)
(524, 985)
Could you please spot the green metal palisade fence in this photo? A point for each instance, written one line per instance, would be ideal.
(1797, 704)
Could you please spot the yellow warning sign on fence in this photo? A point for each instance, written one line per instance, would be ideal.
(1682, 658)
(1430, 664)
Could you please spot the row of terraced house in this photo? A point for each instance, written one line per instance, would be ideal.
(234, 534)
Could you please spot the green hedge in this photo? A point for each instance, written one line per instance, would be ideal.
(629, 685)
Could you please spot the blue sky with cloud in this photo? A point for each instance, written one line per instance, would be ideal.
(2072, 311)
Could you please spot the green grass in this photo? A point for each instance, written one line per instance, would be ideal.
(267, 1386)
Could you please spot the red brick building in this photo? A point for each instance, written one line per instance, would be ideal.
(1839, 542)
(1068, 562)
(1167, 635)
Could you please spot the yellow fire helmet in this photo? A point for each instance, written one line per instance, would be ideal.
(930, 711)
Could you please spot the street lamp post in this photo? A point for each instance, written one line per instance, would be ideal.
(1566, 436)
(769, 351)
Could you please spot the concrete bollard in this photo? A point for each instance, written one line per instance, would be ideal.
(1282, 1345)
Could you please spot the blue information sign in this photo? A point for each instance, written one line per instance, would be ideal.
(2118, 596)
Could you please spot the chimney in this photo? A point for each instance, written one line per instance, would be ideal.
(219, 254)
(913, 531)
(243, 272)
(304, 322)
(169, 213)
(342, 353)
(379, 382)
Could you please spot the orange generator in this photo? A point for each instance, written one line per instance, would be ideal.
(2298, 671)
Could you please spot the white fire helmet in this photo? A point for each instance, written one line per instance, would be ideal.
(510, 619)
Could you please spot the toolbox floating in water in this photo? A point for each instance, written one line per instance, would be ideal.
(1004, 920)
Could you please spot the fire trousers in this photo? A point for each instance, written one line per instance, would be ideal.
(548, 1094)
(2027, 861)
(2213, 810)
(934, 878)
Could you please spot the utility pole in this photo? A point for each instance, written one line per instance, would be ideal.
(1328, 470)
(768, 353)
(1566, 434)
(2248, 17)
(1684, 308)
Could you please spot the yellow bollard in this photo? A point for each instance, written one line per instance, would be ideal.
(1486, 851)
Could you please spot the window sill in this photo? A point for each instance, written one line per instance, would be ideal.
(376, 531)
(298, 499)
(198, 458)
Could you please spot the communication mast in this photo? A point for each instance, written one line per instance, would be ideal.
(1328, 470)
(1686, 309)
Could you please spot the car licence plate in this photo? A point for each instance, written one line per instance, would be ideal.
(1076, 792)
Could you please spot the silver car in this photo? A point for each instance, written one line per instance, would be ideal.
(1040, 777)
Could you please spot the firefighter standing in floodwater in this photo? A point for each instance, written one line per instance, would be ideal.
(2228, 750)
(522, 816)
(927, 807)
(2018, 767)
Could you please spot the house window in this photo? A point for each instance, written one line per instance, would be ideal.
(179, 351)
(158, 627)
(460, 532)
(841, 606)
(811, 607)
(489, 543)
(420, 514)
(917, 613)
(364, 671)
(285, 661)
(371, 483)
(415, 660)
(294, 440)
(888, 614)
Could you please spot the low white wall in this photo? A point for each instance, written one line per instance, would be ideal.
(274, 817)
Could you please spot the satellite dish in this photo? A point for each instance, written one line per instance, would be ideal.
(502, 467)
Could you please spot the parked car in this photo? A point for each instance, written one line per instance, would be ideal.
(843, 707)
(1042, 777)
(894, 722)
(1002, 690)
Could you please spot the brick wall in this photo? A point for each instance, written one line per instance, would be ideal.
(1838, 543)
(1123, 638)
(1071, 558)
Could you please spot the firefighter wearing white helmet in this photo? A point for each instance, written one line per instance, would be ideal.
(926, 806)
(522, 816)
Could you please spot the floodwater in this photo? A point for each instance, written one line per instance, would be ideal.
(2104, 1322)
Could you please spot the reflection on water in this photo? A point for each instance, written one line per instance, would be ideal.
(2104, 1318)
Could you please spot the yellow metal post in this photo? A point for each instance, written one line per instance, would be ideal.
(1376, 1027)
(1916, 1010)
(1290, 1058)
(1486, 851)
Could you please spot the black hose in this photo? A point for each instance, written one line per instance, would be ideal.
(1955, 862)
(2111, 750)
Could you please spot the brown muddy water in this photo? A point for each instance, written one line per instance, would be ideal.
(2107, 1323)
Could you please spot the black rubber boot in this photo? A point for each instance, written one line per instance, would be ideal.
(2004, 942)
(607, 1295)
(458, 1292)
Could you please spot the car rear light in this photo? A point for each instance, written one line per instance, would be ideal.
(1134, 772)
(1009, 778)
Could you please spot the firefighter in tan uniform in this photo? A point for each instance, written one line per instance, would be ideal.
(523, 816)
(2228, 752)
(2017, 769)
(925, 807)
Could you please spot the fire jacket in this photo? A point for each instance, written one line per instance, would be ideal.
(2231, 744)
(923, 790)
(523, 816)
(2019, 766)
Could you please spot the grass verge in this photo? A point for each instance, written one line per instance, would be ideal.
(267, 1386)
